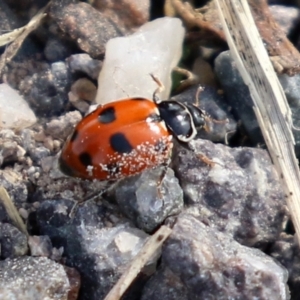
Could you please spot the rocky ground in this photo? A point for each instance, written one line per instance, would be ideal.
(232, 237)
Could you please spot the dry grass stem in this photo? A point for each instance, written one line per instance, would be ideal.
(270, 104)
(12, 210)
(17, 38)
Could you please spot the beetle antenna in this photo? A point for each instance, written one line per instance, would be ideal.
(197, 98)
(208, 119)
(158, 90)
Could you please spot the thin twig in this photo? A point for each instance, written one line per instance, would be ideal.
(149, 249)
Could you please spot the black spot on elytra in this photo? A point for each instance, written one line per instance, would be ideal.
(120, 144)
(155, 118)
(64, 167)
(107, 115)
(85, 159)
(74, 136)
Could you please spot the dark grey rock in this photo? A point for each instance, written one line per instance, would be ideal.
(53, 214)
(15, 185)
(147, 199)
(13, 242)
(103, 256)
(286, 251)
(56, 49)
(9, 19)
(4, 218)
(30, 278)
(82, 63)
(86, 26)
(211, 265)
(47, 90)
(238, 96)
(164, 284)
(38, 153)
(61, 76)
(240, 195)
(97, 241)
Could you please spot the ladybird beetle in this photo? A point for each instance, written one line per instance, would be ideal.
(128, 136)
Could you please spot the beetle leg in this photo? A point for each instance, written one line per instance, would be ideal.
(91, 197)
(206, 159)
(211, 163)
(162, 176)
(207, 117)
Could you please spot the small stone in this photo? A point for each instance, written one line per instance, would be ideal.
(31, 171)
(62, 127)
(36, 204)
(38, 153)
(84, 89)
(134, 13)
(47, 163)
(56, 49)
(13, 181)
(15, 113)
(125, 241)
(48, 143)
(75, 282)
(39, 136)
(23, 213)
(11, 151)
(57, 253)
(82, 63)
(56, 145)
(12, 241)
(47, 90)
(146, 202)
(129, 61)
(82, 93)
(40, 245)
(286, 251)
(30, 278)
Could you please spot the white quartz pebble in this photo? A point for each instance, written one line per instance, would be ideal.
(15, 112)
(155, 48)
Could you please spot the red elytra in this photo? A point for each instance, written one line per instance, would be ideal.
(116, 140)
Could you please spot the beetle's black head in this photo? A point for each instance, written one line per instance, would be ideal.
(198, 115)
(183, 120)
